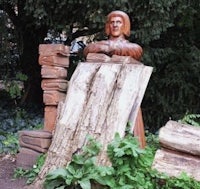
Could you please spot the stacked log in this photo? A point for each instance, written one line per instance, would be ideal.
(54, 59)
(180, 150)
(32, 144)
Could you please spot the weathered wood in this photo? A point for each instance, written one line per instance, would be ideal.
(139, 125)
(53, 97)
(54, 60)
(139, 131)
(50, 115)
(99, 102)
(53, 49)
(99, 57)
(173, 163)
(54, 85)
(180, 137)
(53, 72)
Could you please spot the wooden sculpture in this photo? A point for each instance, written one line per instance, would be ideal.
(117, 28)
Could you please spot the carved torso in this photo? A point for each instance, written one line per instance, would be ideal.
(120, 47)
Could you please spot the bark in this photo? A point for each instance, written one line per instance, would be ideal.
(173, 163)
(180, 150)
(180, 137)
(99, 102)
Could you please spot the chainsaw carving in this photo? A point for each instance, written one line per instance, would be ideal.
(117, 28)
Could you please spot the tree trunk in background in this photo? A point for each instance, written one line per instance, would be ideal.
(29, 62)
(99, 101)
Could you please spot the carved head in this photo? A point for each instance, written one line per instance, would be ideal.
(126, 22)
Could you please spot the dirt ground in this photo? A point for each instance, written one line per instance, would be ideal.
(7, 166)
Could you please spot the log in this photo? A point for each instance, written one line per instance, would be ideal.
(99, 101)
(54, 84)
(180, 137)
(173, 163)
(53, 49)
(53, 72)
(53, 97)
(54, 60)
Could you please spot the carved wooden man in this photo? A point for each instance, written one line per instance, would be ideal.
(117, 29)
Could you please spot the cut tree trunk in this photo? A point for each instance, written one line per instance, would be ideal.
(180, 137)
(173, 163)
(180, 150)
(99, 101)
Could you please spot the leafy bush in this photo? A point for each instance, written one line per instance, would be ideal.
(14, 120)
(131, 169)
(191, 119)
(9, 143)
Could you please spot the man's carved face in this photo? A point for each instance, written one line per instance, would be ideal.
(116, 26)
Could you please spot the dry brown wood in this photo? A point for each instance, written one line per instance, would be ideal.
(100, 57)
(53, 49)
(53, 72)
(173, 163)
(99, 102)
(53, 97)
(54, 84)
(180, 137)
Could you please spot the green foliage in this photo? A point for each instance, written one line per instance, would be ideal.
(131, 168)
(30, 174)
(14, 90)
(15, 87)
(8, 48)
(182, 182)
(80, 171)
(12, 121)
(131, 164)
(168, 31)
(152, 140)
(8, 143)
(191, 119)
(175, 56)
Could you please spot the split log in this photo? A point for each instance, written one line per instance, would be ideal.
(180, 137)
(173, 164)
(99, 102)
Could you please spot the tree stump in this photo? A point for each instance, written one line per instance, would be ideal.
(99, 101)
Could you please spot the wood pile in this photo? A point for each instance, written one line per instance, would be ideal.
(180, 150)
(54, 59)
